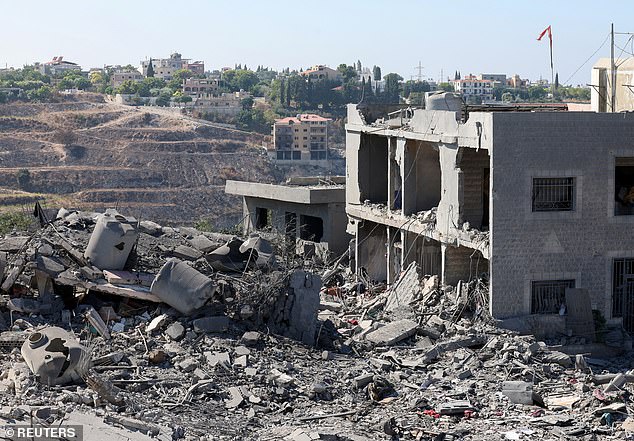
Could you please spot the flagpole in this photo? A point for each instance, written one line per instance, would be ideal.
(552, 69)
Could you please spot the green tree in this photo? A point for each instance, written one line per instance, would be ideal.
(164, 99)
(150, 70)
(127, 87)
(246, 103)
(376, 73)
(557, 80)
(392, 87)
(348, 73)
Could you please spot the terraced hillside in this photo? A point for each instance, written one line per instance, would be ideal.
(151, 163)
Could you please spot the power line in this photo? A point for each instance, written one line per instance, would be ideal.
(589, 58)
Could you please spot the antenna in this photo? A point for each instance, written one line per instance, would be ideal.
(419, 68)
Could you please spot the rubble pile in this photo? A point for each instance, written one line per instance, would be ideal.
(206, 336)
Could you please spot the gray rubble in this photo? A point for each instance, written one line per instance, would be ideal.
(243, 342)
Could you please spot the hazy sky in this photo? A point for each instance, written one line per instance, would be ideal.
(473, 37)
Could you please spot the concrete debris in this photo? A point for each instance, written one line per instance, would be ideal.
(392, 333)
(247, 343)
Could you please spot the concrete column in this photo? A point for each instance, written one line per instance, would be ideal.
(391, 173)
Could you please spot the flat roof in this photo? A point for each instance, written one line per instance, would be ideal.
(301, 194)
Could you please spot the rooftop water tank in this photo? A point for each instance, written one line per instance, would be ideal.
(111, 241)
(445, 101)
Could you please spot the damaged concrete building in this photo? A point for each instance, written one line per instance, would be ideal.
(308, 211)
(539, 201)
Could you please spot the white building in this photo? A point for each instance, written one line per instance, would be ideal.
(473, 87)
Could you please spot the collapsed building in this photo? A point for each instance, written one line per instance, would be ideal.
(539, 201)
(308, 211)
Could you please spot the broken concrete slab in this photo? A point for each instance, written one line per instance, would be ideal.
(13, 244)
(392, 332)
(216, 358)
(186, 253)
(518, 392)
(151, 228)
(406, 290)
(219, 323)
(175, 331)
(119, 277)
(251, 338)
(203, 244)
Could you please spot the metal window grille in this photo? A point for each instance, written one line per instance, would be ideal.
(553, 194)
(622, 287)
(548, 295)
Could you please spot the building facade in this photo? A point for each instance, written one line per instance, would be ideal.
(116, 78)
(199, 88)
(321, 73)
(224, 103)
(472, 87)
(165, 68)
(311, 210)
(58, 66)
(301, 138)
(539, 201)
(601, 91)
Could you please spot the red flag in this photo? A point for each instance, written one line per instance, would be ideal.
(550, 34)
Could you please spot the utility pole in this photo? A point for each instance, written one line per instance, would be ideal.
(612, 73)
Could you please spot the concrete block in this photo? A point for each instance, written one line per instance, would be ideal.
(216, 358)
(203, 244)
(362, 380)
(187, 253)
(518, 392)
(251, 338)
(392, 332)
(175, 331)
(219, 323)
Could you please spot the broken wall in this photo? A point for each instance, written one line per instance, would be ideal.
(474, 197)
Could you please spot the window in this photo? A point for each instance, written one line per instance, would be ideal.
(624, 187)
(553, 194)
(262, 218)
(297, 155)
(280, 155)
(547, 296)
(622, 285)
(311, 228)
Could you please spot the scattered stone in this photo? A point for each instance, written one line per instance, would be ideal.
(251, 338)
(175, 331)
(216, 358)
(157, 356)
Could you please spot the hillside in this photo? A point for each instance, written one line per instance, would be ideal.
(150, 162)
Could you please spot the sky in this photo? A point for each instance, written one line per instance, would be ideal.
(489, 36)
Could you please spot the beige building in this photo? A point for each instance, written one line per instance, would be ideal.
(117, 78)
(200, 88)
(320, 73)
(164, 68)
(601, 93)
(224, 103)
(301, 138)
